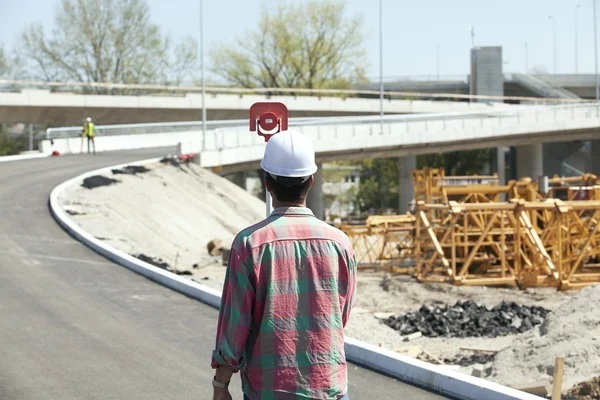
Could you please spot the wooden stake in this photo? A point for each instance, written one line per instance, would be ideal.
(559, 365)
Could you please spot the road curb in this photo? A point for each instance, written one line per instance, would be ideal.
(387, 362)
(20, 157)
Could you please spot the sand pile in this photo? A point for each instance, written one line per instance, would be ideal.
(571, 331)
(170, 213)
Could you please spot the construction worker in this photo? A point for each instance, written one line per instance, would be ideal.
(89, 131)
(288, 292)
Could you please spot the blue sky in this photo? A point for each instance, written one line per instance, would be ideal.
(413, 30)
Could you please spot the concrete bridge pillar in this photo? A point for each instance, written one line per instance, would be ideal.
(530, 161)
(314, 200)
(501, 164)
(406, 192)
(594, 164)
(239, 178)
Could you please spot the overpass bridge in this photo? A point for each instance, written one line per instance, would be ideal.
(234, 148)
(59, 108)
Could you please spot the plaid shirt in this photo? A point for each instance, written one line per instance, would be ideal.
(287, 297)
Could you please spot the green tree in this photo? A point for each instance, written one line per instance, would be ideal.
(10, 65)
(378, 187)
(106, 41)
(458, 162)
(3, 63)
(311, 44)
(10, 145)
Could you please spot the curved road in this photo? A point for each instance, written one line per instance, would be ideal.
(76, 326)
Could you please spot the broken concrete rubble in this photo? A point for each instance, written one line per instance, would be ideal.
(98, 181)
(468, 319)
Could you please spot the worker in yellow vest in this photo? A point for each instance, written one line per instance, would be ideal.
(89, 130)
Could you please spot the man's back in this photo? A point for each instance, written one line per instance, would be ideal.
(287, 297)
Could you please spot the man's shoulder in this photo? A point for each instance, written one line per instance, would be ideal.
(334, 234)
(249, 234)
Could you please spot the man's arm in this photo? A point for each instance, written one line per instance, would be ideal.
(235, 317)
(350, 288)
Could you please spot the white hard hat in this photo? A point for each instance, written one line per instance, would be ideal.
(89, 119)
(289, 154)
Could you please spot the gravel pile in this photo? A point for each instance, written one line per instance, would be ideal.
(469, 319)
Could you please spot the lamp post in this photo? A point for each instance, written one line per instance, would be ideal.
(471, 88)
(381, 64)
(596, 54)
(526, 58)
(553, 39)
(437, 63)
(202, 76)
(576, 44)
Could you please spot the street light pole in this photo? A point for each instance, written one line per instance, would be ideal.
(471, 88)
(526, 58)
(576, 44)
(437, 63)
(202, 77)
(553, 39)
(381, 64)
(596, 54)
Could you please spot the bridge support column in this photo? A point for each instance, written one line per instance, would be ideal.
(530, 161)
(239, 178)
(594, 160)
(553, 158)
(501, 165)
(406, 192)
(314, 200)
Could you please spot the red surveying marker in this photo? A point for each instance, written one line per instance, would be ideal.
(267, 119)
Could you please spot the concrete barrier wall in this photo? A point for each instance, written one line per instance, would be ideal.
(237, 145)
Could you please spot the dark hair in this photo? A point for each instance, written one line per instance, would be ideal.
(288, 189)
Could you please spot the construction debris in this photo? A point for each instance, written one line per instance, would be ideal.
(131, 170)
(157, 262)
(215, 247)
(412, 336)
(472, 359)
(97, 181)
(589, 390)
(468, 319)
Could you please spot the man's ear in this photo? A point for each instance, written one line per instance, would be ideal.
(267, 184)
(311, 180)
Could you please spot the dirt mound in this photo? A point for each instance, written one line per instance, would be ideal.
(571, 331)
(469, 319)
(589, 390)
(98, 181)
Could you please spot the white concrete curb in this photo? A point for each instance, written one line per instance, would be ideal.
(405, 368)
(20, 157)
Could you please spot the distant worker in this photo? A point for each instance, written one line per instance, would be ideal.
(288, 292)
(89, 131)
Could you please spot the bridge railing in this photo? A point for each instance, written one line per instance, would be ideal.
(415, 130)
(94, 88)
(235, 133)
(167, 127)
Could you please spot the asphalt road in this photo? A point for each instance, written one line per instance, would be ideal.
(76, 326)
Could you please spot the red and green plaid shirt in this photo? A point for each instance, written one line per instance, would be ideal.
(287, 297)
